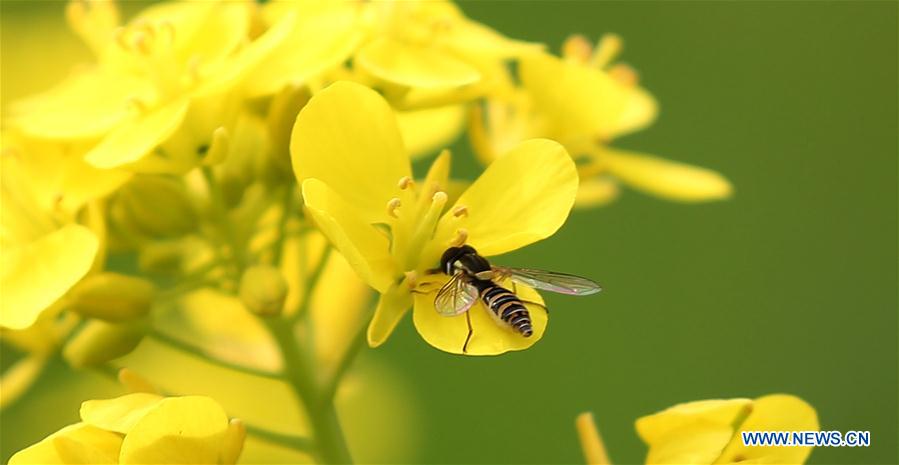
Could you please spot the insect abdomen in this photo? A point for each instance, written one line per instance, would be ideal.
(507, 307)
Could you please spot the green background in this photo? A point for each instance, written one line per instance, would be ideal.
(791, 286)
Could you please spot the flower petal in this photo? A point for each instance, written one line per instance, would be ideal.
(427, 131)
(654, 428)
(119, 414)
(242, 65)
(325, 36)
(190, 429)
(580, 102)
(87, 104)
(414, 66)
(489, 336)
(693, 432)
(640, 110)
(522, 197)
(37, 274)
(136, 137)
(665, 178)
(776, 412)
(75, 444)
(347, 137)
(391, 307)
(363, 246)
(696, 443)
(596, 192)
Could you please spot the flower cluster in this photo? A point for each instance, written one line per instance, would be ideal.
(183, 192)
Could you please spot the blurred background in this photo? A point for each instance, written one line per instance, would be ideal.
(788, 287)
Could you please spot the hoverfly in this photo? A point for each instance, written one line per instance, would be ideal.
(472, 277)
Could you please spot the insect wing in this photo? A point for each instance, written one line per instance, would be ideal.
(550, 280)
(456, 296)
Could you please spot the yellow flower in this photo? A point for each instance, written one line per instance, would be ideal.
(142, 428)
(44, 187)
(426, 45)
(708, 431)
(584, 102)
(349, 156)
(166, 79)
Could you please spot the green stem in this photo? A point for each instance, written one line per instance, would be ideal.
(199, 352)
(311, 281)
(298, 373)
(294, 442)
(278, 246)
(346, 361)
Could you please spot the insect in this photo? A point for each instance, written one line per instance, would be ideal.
(472, 277)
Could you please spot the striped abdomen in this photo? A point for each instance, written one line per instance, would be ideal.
(506, 306)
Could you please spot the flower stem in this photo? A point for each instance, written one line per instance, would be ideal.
(202, 354)
(328, 436)
(294, 442)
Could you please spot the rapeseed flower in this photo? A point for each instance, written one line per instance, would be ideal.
(167, 79)
(413, 45)
(584, 101)
(45, 188)
(708, 431)
(357, 185)
(142, 428)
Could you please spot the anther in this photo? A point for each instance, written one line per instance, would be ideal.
(411, 279)
(461, 238)
(142, 42)
(405, 182)
(577, 48)
(439, 196)
(460, 211)
(624, 74)
(392, 205)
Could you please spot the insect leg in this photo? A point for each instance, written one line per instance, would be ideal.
(468, 337)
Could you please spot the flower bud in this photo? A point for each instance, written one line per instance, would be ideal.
(112, 297)
(99, 342)
(157, 206)
(164, 257)
(263, 290)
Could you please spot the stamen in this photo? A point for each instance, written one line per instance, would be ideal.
(141, 42)
(624, 74)
(460, 211)
(392, 205)
(411, 279)
(607, 49)
(405, 182)
(461, 238)
(577, 48)
(145, 27)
